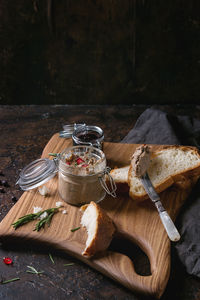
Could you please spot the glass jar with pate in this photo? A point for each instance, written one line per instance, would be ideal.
(81, 170)
(83, 175)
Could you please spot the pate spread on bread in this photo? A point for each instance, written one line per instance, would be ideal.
(140, 160)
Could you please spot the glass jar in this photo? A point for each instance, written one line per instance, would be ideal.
(81, 183)
(88, 135)
(77, 185)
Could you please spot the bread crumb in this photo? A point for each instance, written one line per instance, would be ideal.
(36, 209)
(59, 204)
(44, 191)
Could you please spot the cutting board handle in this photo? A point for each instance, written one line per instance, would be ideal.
(122, 269)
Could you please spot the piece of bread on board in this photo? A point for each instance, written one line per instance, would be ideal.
(167, 166)
(172, 164)
(120, 177)
(100, 228)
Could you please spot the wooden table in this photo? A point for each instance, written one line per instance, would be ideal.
(25, 130)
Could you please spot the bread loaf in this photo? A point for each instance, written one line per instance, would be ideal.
(100, 228)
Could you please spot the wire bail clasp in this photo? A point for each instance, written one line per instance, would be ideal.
(110, 190)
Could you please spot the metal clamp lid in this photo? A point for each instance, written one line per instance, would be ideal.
(69, 129)
(37, 173)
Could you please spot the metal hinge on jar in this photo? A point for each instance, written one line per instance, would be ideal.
(111, 189)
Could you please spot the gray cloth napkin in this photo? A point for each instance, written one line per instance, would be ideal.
(158, 127)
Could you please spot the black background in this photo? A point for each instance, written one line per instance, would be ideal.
(99, 52)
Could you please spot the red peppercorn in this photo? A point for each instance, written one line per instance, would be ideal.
(7, 260)
(79, 161)
(85, 165)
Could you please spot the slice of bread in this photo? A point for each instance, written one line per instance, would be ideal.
(120, 177)
(100, 228)
(170, 165)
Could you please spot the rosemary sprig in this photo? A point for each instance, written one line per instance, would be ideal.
(33, 270)
(23, 220)
(47, 220)
(10, 280)
(30, 217)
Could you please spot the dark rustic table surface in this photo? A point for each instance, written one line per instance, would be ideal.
(25, 130)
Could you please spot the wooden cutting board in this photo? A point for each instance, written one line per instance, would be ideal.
(139, 222)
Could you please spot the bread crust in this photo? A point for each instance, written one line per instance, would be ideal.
(159, 188)
(104, 232)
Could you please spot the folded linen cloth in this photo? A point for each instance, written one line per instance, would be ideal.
(155, 126)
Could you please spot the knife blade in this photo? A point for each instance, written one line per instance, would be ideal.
(169, 226)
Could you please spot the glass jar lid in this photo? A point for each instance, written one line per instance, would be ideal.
(69, 129)
(37, 173)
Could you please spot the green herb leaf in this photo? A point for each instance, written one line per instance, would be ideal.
(47, 219)
(33, 270)
(23, 220)
(10, 280)
(70, 264)
(74, 229)
(30, 217)
(53, 154)
(51, 258)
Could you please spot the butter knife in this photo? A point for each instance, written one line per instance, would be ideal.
(169, 226)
